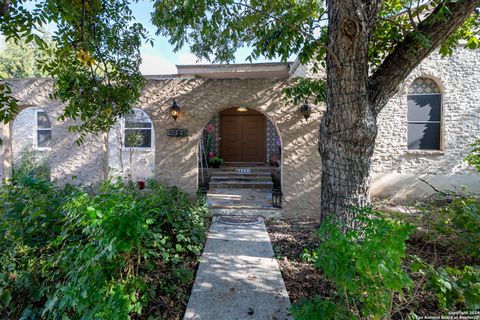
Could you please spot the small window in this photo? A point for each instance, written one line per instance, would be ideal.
(424, 115)
(43, 132)
(138, 130)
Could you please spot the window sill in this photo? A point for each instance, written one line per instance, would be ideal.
(426, 152)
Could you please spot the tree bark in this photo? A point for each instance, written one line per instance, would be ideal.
(349, 127)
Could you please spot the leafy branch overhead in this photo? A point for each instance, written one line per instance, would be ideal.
(283, 29)
(95, 57)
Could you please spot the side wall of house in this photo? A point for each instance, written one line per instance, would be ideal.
(396, 170)
(68, 162)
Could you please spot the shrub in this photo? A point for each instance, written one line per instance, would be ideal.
(31, 167)
(215, 162)
(66, 254)
(454, 288)
(460, 220)
(365, 266)
(473, 158)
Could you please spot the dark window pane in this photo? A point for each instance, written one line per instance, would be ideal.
(42, 120)
(424, 107)
(131, 124)
(141, 138)
(424, 136)
(43, 138)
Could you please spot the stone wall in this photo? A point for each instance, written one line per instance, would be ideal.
(201, 99)
(395, 168)
(68, 162)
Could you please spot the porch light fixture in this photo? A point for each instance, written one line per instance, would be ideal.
(306, 110)
(174, 110)
(242, 109)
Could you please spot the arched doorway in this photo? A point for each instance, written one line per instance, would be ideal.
(243, 136)
(250, 176)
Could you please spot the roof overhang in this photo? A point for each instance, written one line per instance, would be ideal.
(229, 71)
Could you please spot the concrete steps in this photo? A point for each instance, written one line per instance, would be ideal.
(235, 184)
(248, 176)
(241, 187)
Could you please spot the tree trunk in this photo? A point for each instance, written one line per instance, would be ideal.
(349, 128)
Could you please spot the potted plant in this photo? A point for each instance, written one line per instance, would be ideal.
(215, 162)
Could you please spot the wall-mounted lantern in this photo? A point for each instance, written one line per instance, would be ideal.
(306, 110)
(174, 110)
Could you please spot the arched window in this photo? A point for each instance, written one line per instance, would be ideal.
(424, 115)
(138, 130)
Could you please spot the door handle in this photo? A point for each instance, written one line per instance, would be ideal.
(243, 141)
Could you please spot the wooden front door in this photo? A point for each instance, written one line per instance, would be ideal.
(243, 136)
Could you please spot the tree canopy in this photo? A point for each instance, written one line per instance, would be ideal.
(214, 30)
(95, 60)
(18, 59)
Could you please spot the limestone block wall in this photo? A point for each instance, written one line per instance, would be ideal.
(395, 168)
(130, 163)
(69, 163)
(201, 99)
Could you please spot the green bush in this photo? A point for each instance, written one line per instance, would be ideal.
(215, 162)
(67, 254)
(460, 220)
(455, 289)
(364, 265)
(473, 158)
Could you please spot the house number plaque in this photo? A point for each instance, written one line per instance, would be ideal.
(175, 132)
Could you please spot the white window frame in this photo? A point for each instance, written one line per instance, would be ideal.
(152, 136)
(36, 129)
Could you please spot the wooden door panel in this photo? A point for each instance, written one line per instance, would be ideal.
(243, 138)
(231, 146)
(254, 137)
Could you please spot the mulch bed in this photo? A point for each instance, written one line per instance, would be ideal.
(289, 237)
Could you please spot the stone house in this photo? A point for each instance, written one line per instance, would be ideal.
(424, 132)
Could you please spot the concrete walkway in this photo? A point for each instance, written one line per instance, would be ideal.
(238, 277)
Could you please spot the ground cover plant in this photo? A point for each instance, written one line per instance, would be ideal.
(423, 262)
(116, 253)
